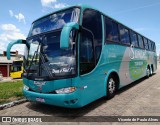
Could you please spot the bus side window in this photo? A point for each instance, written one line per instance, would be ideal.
(92, 21)
(87, 60)
(154, 48)
(108, 24)
(149, 44)
(152, 45)
(124, 35)
(111, 30)
(133, 36)
(145, 44)
(140, 40)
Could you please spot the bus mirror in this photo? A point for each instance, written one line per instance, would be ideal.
(20, 41)
(65, 34)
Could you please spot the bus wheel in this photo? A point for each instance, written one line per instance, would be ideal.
(151, 71)
(111, 87)
(148, 72)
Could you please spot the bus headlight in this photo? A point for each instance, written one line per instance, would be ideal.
(65, 90)
(25, 87)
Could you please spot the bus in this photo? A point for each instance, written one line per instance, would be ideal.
(77, 55)
(16, 69)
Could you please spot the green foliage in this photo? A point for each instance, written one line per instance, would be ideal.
(10, 91)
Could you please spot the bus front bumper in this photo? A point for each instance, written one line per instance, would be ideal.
(71, 100)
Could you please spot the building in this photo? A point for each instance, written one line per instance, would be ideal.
(5, 64)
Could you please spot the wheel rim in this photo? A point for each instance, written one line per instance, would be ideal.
(111, 86)
(148, 72)
(151, 71)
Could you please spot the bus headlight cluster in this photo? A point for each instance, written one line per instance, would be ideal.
(65, 90)
(25, 87)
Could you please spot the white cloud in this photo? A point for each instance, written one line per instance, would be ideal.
(54, 4)
(48, 3)
(10, 33)
(60, 5)
(11, 13)
(9, 27)
(20, 17)
(140, 29)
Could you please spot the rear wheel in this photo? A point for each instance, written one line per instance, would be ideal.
(111, 87)
(148, 72)
(151, 71)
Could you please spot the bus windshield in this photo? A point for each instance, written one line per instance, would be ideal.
(17, 63)
(47, 60)
(16, 66)
(54, 21)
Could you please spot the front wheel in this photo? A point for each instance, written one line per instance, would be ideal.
(111, 87)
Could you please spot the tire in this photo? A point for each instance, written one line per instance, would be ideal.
(111, 87)
(147, 72)
(151, 71)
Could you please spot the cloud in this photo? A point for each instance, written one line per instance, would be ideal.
(60, 5)
(54, 4)
(20, 17)
(140, 29)
(11, 13)
(48, 3)
(10, 33)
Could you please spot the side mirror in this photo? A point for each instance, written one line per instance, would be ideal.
(65, 34)
(20, 41)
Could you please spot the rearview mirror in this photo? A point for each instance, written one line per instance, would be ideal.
(65, 33)
(20, 41)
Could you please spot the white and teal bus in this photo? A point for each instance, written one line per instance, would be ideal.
(77, 55)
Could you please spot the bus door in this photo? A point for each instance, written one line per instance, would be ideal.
(90, 50)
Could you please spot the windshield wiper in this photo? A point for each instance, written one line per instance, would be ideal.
(45, 66)
(35, 53)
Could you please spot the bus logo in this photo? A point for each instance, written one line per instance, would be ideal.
(137, 54)
(39, 84)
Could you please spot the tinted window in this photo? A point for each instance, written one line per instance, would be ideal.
(54, 21)
(87, 60)
(134, 38)
(152, 45)
(115, 32)
(93, 22)
(149, 44)
(86, 49)
(145, 43)
(124, 35)
(111, 30)
(140, 40)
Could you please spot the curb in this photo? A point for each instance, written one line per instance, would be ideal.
(11, 104)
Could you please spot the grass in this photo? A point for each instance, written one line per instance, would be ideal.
(10, 91)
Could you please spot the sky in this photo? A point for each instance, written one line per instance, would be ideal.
(16, 16)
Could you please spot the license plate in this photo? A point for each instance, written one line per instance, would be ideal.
(40, 100)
